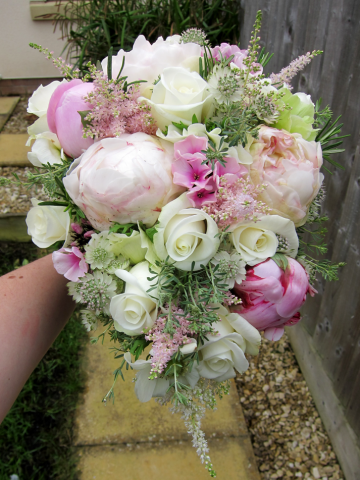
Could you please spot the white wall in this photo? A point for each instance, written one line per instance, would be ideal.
(17, 30)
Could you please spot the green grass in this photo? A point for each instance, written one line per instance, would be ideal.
(36, 436)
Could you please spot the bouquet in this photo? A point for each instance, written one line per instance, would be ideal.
(183, 187)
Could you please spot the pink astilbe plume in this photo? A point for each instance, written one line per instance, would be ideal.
(115, 111)
(237, 202)
(289, 72)
(166, 344)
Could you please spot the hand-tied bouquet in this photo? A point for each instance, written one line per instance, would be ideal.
(182, 181)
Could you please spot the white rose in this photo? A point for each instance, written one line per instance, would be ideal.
(46, 149)
(38, 105)
(147, 62)
(186, 235)
(222, 354)
(47, 224)
(178, 96)
(250, 334)
(145, 389)
(134, 310)
(257, 241)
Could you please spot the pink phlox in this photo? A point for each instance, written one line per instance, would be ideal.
(70, 262)
(231, 171)
(190, 144)
(200, 196)
(190, 173)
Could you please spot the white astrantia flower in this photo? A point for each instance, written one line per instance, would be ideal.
(257, 241)
(225, 85)
(46, 149)
(94, 290)
(98, 252)
(231, 265)
(118, 263)
(89, 320)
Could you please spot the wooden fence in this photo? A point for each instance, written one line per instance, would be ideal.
(327, 341)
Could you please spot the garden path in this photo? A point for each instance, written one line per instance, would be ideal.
(133, 440)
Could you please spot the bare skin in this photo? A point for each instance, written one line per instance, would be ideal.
(34, 308)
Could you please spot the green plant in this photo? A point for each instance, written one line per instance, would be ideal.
(91, 27)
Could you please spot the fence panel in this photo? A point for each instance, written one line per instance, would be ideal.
(331, 320)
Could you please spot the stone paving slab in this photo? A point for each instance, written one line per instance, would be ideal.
(13, 228)
(7, 106)
(114, 437)
(13, 151)
(232, 460)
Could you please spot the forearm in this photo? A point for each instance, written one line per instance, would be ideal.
(34, 307)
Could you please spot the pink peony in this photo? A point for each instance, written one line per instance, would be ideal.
(290, 166)
(125, 180)
(271, 297)
(63, 117)
(70, 262)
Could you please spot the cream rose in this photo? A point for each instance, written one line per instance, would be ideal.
(250, 334)
(45, 149)
(38, 105)
(257, 241)
(145, 389)
(222, 354)
(134, 309)
(186, 235)
(178, 96)
(47, 224)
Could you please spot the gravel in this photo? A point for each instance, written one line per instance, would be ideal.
(287, 434)
(17, 199)
(20, 119)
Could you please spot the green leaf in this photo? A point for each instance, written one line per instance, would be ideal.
(280, 260)
(109, 65)
(83, 114)
(150, 232)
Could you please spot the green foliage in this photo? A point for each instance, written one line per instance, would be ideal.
(91, 27)
(307, 248)
(328, 134)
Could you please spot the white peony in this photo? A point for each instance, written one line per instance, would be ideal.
(186, 235)
(147, 62)
(257, 241)
(134, 310)
(125, 180)
(47, 224)
(45, 149)
(178, 96)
